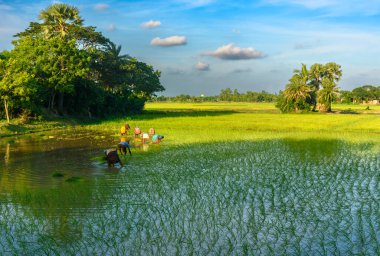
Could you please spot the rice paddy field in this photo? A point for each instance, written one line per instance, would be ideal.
(228, 179)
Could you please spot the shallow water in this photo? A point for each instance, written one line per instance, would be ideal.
(246, 197)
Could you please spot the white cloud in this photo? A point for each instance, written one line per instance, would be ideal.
(169, 41)
(101, 7)
(230, 52)
(111, 27)
(202, 66)
(151, 24)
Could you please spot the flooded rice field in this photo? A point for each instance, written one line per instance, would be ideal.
(280, 196)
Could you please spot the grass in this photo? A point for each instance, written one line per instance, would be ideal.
(237, 180)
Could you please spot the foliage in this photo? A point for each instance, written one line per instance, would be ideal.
(226, 95)
(366, 93)
(71, 69)
(328, 94)
(302, 91)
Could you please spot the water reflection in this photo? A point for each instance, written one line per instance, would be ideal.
(241, 197)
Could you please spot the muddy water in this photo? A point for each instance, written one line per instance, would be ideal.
(31, 161)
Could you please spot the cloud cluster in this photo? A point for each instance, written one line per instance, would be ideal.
(202, 66)
(169, 41)
(151, 24)
(230, 52)
(101, 7)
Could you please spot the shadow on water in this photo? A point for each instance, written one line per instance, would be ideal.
(313, 149)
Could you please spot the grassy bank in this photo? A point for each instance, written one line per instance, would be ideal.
(204, 122)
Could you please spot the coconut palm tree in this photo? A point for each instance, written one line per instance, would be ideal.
(327, 94)
(58, 18)
(315, 75)
(297, 92)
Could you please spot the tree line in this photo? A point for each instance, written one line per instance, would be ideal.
(60, 66)
(227, 94)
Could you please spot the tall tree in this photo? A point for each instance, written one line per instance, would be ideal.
(16, 84)
(59, 18)
(297, 92)
(327, 94)
(315, 75)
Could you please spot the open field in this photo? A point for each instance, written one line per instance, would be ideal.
(237, 179)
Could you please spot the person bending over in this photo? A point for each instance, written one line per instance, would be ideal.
(123, 146)
(112, 157)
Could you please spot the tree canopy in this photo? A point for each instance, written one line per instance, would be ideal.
(61, 66)
(303, 92)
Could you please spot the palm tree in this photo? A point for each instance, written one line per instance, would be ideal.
(333, 71)
(297, 91)
(315, 76)
(58, 18)
(328, 94)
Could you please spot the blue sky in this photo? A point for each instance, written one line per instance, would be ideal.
(203, 46)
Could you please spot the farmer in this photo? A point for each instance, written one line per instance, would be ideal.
(145, 137)
(151, 132)
(124, 129)
(157, 138)
(123, 146)
(112, 157)
(137, 131)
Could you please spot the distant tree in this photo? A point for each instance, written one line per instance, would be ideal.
(346, 96)
(366, 93)
(225, 94)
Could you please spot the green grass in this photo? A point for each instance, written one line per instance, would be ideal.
(216, 123)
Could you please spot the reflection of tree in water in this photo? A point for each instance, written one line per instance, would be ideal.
(60, 211)
(7, 153)
(56, 208)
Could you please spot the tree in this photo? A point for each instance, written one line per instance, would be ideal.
(297, 92)
(59, 18)
(142, 79)
(303, 89)
(315, 75)
(225, 94)
(16, 84)
(328, 94)
(366, 93)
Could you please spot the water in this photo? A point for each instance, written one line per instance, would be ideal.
(243, 197)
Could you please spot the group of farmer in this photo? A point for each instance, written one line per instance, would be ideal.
(112, 156)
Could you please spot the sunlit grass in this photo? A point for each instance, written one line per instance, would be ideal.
(215, 124)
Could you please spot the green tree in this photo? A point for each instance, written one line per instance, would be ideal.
(225, 94)
(142, 79)
(16, 84)
(297, 92)
(328, 94)
(59, 18)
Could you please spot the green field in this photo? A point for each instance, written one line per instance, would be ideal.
(228, 179)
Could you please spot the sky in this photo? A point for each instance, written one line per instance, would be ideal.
(204, 46)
